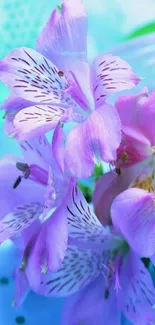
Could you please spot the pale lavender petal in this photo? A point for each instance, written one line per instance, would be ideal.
(36, 120)
(137, 294)
(37, 151)
(20, 206)
(32, 76)
(108, 187)
(64, 38)
(92, 306)
(133, 214)
(79, 78)
(110, 74)
(95, 139)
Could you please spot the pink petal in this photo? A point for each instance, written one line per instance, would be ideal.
(64, 38)
(110, 74)
(137, 113)
(32, 76)
(108, 187)
(133, 214)
(97, 138)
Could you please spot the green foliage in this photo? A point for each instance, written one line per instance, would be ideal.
(146, 29)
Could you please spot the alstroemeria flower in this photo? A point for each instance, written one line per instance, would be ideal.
(62, 86)
(133, 214)
(111, 276)
(30, 186)
(137, 115)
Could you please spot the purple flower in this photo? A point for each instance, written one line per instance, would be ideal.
(109, 275)
(137, 118)
(60, 85)
(30, 186)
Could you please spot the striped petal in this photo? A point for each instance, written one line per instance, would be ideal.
(32, 76)
(78, 269)
(111, 74)
(19, 219)
(37, 120)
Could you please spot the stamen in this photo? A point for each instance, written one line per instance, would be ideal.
(22, 166)
(17, 182)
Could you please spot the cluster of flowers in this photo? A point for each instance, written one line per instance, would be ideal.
(64, 246)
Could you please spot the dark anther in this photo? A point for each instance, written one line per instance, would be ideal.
(17, 182)
(27, 173)
(118, 171)
(21, 166)
(61, 73)
(106, 294)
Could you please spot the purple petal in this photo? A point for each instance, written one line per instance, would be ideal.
(110, 74)
(90, 306)
(12, 105)
(32, 76)
(19, 206)
(57, 146)
(78, 269)
(84, 226)
(137, 294)
(22, 287)
(133, 214)
(61, 47)
(108, 187)
(50, 246)
(80, 85)
(37, 152)
(97, 138)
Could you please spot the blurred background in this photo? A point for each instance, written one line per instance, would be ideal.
(111, 24)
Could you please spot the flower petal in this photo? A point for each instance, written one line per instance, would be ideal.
(50, 246)
(108, 187)
(21, 289)
(133, 214)
(110, 74)
(137, 294)
(137, 114)
(64, 38)
(12, 105)
(78, 269)
(32, 76)
(96, 138)
(37, 151)
(91, 307)
(19, 206)
(83, 224)
(36, 120)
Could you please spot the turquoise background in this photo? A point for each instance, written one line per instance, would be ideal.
(110, 23)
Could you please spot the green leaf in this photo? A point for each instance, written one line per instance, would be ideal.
(146, 29)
